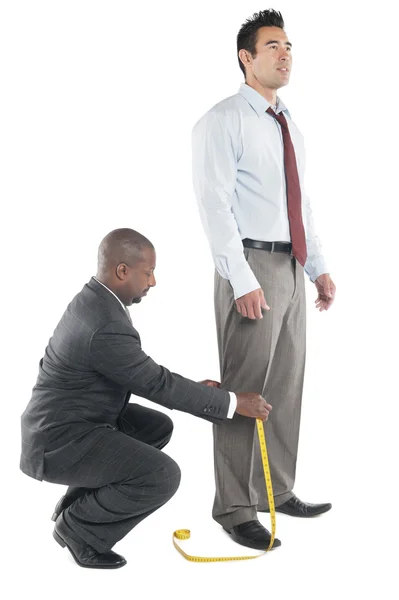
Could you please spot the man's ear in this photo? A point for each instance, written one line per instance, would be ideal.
(245, 57)
(121, 271)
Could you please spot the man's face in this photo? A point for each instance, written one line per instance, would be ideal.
(140, 278)
(272, 64)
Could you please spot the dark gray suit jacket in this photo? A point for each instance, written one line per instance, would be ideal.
(92, 364)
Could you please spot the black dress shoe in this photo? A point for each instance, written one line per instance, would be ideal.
(253, 535)
(296, 508)
(83, 554)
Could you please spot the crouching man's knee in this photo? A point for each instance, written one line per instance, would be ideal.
(168, 477)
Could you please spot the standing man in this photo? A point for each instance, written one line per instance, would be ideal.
(248, 163)
(79, 428)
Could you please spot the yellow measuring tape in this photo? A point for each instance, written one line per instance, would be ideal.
(184, 534)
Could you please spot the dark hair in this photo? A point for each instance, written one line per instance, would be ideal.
(121, 246)
(247, 36)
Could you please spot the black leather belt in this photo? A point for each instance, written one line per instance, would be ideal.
(285, 247)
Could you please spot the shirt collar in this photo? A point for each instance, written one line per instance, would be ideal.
(111, 292)
(257, 101)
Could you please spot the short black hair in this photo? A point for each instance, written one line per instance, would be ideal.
(121, 246)
(247, 36)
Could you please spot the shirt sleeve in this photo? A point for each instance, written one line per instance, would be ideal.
(233, 405)
(315, 264)
(214, 155)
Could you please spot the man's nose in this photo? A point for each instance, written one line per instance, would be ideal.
(153, 281)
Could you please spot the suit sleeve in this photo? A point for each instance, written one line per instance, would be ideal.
(116, 353)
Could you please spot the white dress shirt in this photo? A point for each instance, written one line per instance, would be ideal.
(233, 397)
(239, 182)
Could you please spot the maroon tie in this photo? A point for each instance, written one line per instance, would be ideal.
(294, 202)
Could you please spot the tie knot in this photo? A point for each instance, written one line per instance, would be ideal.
(279, 117)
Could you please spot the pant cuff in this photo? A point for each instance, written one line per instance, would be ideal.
(278, 501)
(241, 515)
(80, 534)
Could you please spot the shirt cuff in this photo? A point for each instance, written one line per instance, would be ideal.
(315, 268)
(243, 281)
(233, 405)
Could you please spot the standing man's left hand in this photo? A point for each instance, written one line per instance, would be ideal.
(210, 383)
(326, 288)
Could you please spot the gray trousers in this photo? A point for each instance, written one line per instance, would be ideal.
(266, 356)
(122, 479)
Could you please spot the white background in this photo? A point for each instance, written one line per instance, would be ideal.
(98, 103)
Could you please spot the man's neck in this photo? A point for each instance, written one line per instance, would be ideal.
(269, 94)
(105, 281)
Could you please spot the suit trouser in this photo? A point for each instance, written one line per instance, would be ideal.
(266, 356)
(122, 478)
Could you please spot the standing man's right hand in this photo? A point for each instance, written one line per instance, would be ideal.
(253, 405)
(250, 305)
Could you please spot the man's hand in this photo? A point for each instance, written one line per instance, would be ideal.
(250, 305)
(253, 405)
(210, 383)
(326, 288)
